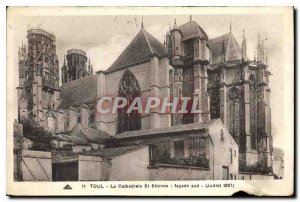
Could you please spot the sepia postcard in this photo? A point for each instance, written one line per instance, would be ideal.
(150, 101)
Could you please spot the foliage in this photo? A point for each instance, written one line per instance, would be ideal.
(259, 169)
(40, 137)
(165, 158)
(111, 142)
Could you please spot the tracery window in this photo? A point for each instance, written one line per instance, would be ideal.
(92, 115)
(129, 89)
(215, 104)
(235, 112)
(253, 110)
(67, 121)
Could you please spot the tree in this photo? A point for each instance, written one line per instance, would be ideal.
(41, 138)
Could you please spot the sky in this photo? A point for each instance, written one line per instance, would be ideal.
(103, 38)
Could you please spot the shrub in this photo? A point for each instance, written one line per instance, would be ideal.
(41, 138)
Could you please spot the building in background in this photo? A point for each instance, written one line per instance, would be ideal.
(76, 66)
(38, 91)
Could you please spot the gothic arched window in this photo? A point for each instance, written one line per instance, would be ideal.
(129, 89)
(235, 112)
(215, 104)
(67, 121)
(253, 110)
(92, 115)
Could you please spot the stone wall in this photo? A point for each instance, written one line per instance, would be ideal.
(91, 168)
(131, 166)
(153, 80)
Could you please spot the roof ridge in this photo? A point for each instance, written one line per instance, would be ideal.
(235, 45)
(151, 49)
(141, 48)
(229, 38)
(223, 35)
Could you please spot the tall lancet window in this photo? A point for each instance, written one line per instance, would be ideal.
(215, 104)
(253, 110)
(235, 113)
(129, 89)
(92, 115)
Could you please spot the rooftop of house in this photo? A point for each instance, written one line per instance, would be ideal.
(163, 131)
(107, 153)
(214, 128)
(83, 136)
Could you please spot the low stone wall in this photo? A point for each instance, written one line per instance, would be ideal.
(90, 168)
(245, 176)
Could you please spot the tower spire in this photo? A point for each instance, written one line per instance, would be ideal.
(230, 27)
(254, 58)
(190, 17)
(258, 48)
(142, 24)
(244, 46)
(223, 55)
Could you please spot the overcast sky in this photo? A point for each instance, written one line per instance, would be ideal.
(104, 37)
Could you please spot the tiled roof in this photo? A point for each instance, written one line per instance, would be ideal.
(74, 139)
(113, 152)
(162, 131)
(94, 135)
(140, 49)
(108, 153)
(233, 50)
(84, 136)
(79, 91)
(192, 29)
(64, 157)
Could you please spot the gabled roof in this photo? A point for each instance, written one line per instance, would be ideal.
(94, 135)
(84, 136)
(141, 48)
(114, 152)
(192, 29)
(74, 140)
(107, 153)
(233, 50)
(64, 157)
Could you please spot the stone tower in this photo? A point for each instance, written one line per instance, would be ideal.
(38, 91)
(76, 66)
(239, 95)
(189, 56)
